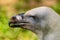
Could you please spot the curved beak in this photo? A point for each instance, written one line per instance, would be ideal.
(14, 22)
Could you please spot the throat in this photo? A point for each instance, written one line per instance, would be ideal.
(39, 35)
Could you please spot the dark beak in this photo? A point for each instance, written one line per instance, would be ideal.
(14, 22)
(17, 24)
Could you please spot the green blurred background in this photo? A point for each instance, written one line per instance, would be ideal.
(8, 8)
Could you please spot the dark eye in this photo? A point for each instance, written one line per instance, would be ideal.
(35, 18)
(32, 17)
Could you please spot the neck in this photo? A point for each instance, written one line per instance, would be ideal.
(39, 34)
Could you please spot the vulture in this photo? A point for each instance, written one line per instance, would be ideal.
(43, 21)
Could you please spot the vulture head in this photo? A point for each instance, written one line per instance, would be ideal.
(39, 20)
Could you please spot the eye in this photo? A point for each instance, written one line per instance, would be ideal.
(35, 18)
(32, 17)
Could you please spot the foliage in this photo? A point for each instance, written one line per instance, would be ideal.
(57, 8)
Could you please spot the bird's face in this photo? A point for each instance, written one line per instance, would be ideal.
(24, 21)
(31, 20)
(16, 21)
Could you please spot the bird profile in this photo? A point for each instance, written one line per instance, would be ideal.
(43, 21)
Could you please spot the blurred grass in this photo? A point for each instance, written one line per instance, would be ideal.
(57, 8)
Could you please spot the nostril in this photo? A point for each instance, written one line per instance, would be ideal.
(22, 17)
(13, 18)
